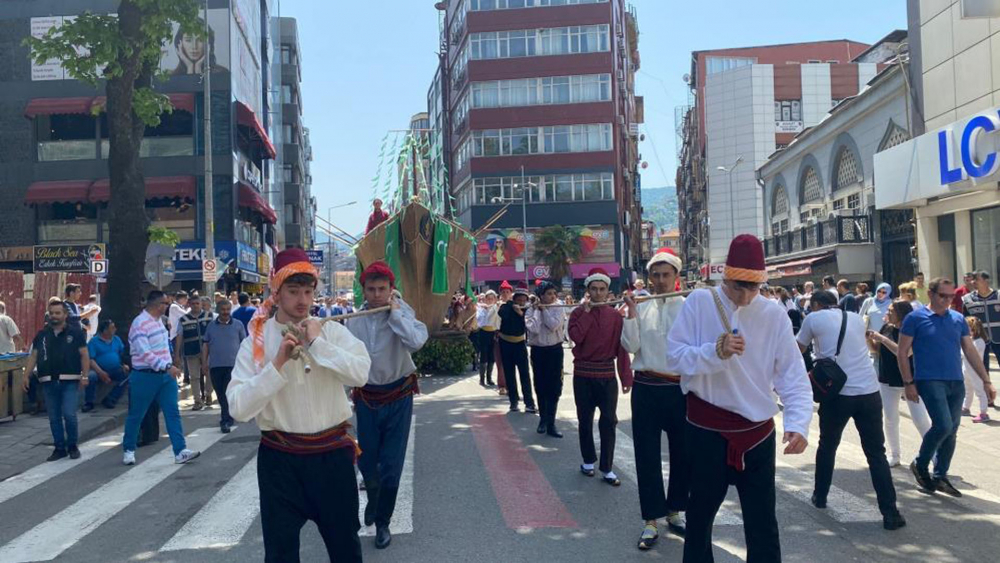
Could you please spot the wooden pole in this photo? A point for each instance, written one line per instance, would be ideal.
(620, 301)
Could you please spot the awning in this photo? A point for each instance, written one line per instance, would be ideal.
(156, 187)
(69, 191)
(50, 106)
(800, 267)
(250, 199)
(182, 101)
(247, 118)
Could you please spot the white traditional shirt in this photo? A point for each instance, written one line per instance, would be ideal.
(742, 384)
(546, 326)
(390, 338)
(291, 400)
(645, 337)
(488, 317)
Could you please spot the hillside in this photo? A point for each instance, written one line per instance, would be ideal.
(660, 206)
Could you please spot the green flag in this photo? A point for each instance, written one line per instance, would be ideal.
(468, 284)
(392, 251)
(439, 279)
(359, 292)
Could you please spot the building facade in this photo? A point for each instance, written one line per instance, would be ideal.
(948, 174)
(299, 218)
(746, 103)
(53, 163)
(536, 101)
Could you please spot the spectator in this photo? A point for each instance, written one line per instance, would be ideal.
(10, 336)
(59, 351)
(974, 385)
(206, 307)
(640, 288)
(786, 299)
(377, 217)
(77, 318)
(861, 292)
(829, 285)
(245, 311)
(908, 292)
(984, 304)
(847, 301)
(874, 309)
(107, 365)
(326, 308)
(187, 353)
(234, 298)
(884, 344)
(968, 286)
(922, 293)
(255, 302)
(91, 312)
(859, 400)
(178, 309)
(218, 297)
(938, 336)
(222, 342)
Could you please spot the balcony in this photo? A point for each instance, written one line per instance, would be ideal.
(820, 235)
(52, 151)
(158, 147)
(59, 232)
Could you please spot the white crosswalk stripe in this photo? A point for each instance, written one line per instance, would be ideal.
(41, 473)
(402, 517)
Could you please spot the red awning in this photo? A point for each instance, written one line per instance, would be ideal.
(156, 187)
(182, 101)
(800, 267)
(49, 106)
(247, 118)
(250, 199)
(68, 191)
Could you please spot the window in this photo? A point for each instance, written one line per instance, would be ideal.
(484, 5)
(286, 173)
(894, 135)
(546, 189)
(780, 203)
(788, 110)
(532, 42)
(544, 140)
(838, 204)
(811, 190)
(854, 201)
(814, 61)
(833, 62)
(848, 174)
(721, 64)
(286, 94)
(555, 90)
(286, 54)
(463, 154)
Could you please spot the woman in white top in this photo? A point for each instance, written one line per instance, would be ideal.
(859, 399)
(974, 385)
(489, 322)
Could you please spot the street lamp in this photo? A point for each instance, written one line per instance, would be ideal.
(329, 241)
(729, 171)
(524, 214)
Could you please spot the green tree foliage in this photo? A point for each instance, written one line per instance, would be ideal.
(445, 356)
(557, 247)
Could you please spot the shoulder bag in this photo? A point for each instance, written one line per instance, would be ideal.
(827, 377)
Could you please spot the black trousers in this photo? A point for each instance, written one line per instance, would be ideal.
(755, 485)
(593, 393)
(547, 363)
(657, 409)
(866, 410)
(318, 487)
(220, 381)
(515, 355)
(487, 339)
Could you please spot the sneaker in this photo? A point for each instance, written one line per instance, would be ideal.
(74, 452)
(56, 455)
(893, 521)
(128, 458)
(185, 456)
(197, 407)
(503, 391)
(944, 485)
(893, 462)
(514, 408)
(966, 412)
(923, 477)
(648, 537)
(530, 410)
(676, 523)
(225, 428)
(818, 502)
(87, 407)
(983, 417)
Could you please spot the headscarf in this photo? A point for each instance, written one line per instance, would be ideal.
(876, 309)
(287, 263)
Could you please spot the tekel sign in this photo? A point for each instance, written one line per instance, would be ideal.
(968, 165)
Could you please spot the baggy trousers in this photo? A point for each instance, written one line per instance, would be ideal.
(755, 485)
(515, 362)
(593, 393)
(318, 487)
(657, 409)
(383, 433)
(547, 363)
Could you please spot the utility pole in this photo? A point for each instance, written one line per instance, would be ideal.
(209, 177)
(524, 225)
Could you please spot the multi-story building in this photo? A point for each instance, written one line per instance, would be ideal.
(53, 161)
(948, 175)
(536, 101)
(299, 206)
(747, 102)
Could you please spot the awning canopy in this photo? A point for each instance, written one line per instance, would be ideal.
(50, 106)
(68, 191)
(250, 199)
(247, 118)
(156, 187)
(181, 101)
(799, 267)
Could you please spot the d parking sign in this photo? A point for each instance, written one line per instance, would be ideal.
(99, 267)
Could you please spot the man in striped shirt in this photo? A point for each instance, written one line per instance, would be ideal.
(154, 378)
(983, 302)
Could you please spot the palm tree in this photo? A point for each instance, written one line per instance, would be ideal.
(557, 247)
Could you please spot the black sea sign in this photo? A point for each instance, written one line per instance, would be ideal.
(67, 258)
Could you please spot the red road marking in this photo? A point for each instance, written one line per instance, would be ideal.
(526, 498)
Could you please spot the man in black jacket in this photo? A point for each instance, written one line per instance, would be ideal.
(514, 349)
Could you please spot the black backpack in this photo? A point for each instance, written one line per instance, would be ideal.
(827, 377)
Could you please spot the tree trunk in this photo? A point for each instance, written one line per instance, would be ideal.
(127, 221)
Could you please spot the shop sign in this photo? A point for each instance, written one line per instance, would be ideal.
(263, 263)
(67, 257)
(246, 259)
(17, 253)
(788, 126)
(315, 257)
(189, 255)
(971, 163)
(713, 271)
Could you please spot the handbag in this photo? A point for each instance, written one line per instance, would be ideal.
(827, 377)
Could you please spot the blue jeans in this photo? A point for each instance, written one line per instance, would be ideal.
(118, 377)
(60, 402)
(943, 399)
(144, 388)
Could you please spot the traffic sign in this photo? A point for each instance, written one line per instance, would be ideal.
(99, 267)
(210, 270)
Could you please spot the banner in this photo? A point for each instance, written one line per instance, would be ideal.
(439, 276)
(502, 247)
(67, 257)
(392, 251)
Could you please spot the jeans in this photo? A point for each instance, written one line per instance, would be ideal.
(60, 401)
(943, 399)
(147, 387)
(118, 377)
(891, 397)
(220, 378)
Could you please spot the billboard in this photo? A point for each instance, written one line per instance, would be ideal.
(503, 247)
(245, 42)
(67, 257)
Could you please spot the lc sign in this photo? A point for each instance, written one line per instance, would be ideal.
(965, 161)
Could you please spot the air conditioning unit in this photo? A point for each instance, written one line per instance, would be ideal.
(633, 130)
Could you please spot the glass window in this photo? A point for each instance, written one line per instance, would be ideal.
(811, 190)
(780, 202)
(986, 241)
(564, 187)
(854, 201)
(838, 204)
(592, 189)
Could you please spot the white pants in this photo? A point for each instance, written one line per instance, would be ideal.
(891, 397)
(974, 385)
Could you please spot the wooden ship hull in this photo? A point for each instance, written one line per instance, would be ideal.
(416, 256)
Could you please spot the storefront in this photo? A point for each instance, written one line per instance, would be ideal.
(986, 240)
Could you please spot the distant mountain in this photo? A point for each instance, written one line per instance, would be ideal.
(660, 206)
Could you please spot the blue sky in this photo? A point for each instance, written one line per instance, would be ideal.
(367, 66)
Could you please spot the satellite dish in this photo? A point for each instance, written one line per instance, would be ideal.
(686, 78)
(645, 165)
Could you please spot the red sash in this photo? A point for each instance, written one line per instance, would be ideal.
(741, 435)
(306, 444)
(375, 398)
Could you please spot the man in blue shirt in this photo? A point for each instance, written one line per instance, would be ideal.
(107, 353)
(222, 342)
(245, 311)
(938, 336)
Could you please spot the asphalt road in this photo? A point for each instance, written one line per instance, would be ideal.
(480, 486)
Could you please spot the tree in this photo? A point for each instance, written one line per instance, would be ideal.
(557, 247)
(123, 52)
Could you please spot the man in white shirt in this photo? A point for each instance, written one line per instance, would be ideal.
(658, 404)
(177, 310)
(91, 312)
(305, 465)
(733, 350)
(10, 336)
(546, 328)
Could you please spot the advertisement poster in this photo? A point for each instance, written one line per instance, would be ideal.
(245, 44)
(502, 247)
(67, 257)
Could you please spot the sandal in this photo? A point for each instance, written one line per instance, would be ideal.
(613, 481)
(587, 472)
(648, 538)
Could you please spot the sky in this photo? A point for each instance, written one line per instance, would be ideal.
(367, 66)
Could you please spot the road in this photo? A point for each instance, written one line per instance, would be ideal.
(479, 485)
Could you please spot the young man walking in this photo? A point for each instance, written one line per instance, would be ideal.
(222, 340)
(734, 350)
(596, 329)
(658, 404)
(514, 350)
(983, 302)
(187, 353)
(384, 406)
(488, 321)
(546, 328)
(305, 463)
